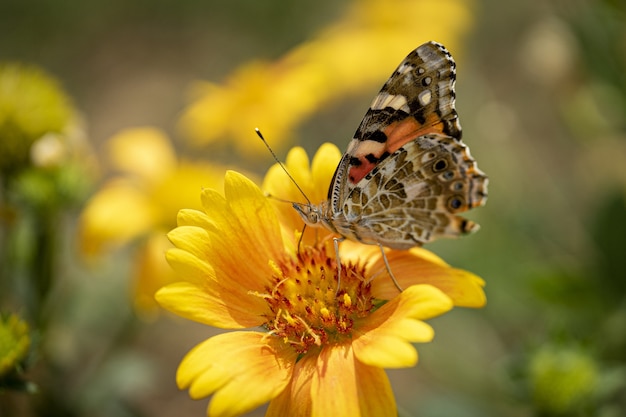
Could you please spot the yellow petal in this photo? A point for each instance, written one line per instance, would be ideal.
(427, 256)
(189, 217)
(242, 369)
(323, 169)
(341, 386)
(239, 267)
(384, 337)
(256, 215)
(223, 273)
(333, 383)
(145, 151)
(181, 188)
(314, 182)
(334, 388)
(246, 235)
(366, 255)
(216, 208)
(419, 266)
(189, 268)
(153, 272)
(204, 121)
(375, 393)
(192, 239)
(298, 161)
(296, 399)
(212, 307)
(118, 213)
(276, 184)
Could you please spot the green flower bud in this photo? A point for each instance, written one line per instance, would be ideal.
(32, 105)
(14, 343)
(562, 380)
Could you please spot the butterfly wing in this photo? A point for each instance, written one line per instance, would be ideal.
(413, 196)
(417, 99)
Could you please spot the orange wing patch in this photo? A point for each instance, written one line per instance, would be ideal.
(359, 169)
(400, 132)
(370, 153)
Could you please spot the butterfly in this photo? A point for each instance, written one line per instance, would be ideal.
(406, 173)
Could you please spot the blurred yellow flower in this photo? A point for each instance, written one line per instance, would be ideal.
(357, 52)
(142, 202)
(324, 348)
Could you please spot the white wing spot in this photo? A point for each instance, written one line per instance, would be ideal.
(397, 102)
(370, 146)
(404, 68)
(424, 97)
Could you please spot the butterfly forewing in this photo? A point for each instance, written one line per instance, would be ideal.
(417, 99)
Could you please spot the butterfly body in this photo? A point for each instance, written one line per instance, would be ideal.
(406, 173)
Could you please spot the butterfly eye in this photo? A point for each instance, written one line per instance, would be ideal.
(440, 165)
(455, 203)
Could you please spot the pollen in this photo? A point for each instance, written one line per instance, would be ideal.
(308, 306)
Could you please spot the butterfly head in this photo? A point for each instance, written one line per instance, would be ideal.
(312, 214)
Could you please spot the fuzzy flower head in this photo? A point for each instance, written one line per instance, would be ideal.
(321, 349)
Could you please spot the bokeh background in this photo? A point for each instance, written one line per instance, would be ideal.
(113, 115)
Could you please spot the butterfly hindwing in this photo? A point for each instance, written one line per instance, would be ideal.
(413, 196)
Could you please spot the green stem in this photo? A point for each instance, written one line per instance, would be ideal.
(6, 229)
(43, 261)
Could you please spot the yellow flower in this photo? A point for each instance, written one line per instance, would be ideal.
(142, 202)
(323, 348)
(355, 53)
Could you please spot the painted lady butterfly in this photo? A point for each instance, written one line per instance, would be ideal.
(406, 173)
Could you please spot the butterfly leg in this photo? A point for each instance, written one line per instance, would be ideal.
(301, 237)
(393, 278)
(336, 242)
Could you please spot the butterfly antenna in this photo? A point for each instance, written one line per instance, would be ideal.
(258, 132)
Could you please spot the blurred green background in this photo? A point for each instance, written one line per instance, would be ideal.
(541, 94)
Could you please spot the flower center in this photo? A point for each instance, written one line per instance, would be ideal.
(309, 310)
